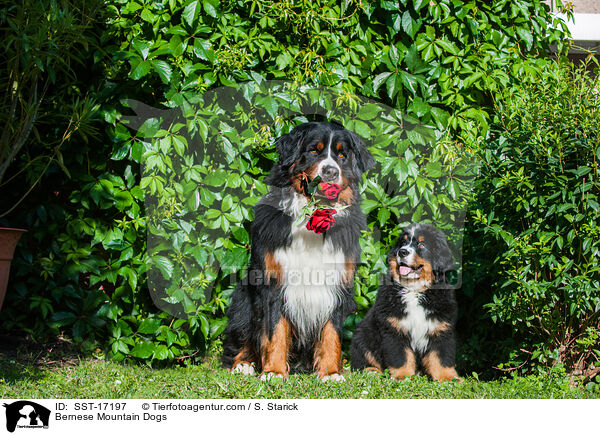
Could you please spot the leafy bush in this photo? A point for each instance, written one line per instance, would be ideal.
(537, 213)
(45, 47)
(42, 42)
(85, 257)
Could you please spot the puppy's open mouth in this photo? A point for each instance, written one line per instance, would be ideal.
(405, 270)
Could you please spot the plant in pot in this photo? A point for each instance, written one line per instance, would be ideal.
(40, 106)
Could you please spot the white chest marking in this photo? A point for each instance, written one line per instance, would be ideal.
(313, 273)
(416, 322)
(294, 204)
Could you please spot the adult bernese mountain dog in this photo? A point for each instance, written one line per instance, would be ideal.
(286, 316)
(411, 324)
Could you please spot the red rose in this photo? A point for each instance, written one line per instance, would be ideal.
(321, 220)
(331, 191)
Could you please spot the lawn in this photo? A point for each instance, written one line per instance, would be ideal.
(97, 378)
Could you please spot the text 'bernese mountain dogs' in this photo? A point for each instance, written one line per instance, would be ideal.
(287, 314)
(411, 324)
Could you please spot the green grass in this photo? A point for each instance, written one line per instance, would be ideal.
(90, 378)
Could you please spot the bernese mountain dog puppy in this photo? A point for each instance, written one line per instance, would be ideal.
(411, 324)
(286, 316)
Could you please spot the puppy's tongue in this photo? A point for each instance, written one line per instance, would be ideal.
(405, 270)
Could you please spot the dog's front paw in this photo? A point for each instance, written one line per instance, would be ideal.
(333, 377)
(270, 375)
(244, 368)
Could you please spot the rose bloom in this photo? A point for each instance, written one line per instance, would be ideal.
(331, 191)
(321, 220)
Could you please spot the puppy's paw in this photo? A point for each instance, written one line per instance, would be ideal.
(244, 368)
(270, 375)
(334, 377)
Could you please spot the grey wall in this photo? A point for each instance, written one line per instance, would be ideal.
(581, 6)
(587, 6)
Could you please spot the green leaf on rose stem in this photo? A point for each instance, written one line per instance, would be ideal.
(314, 184)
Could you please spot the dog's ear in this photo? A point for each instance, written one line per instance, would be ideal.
(362, 159)
(443, 261)
(289, 145)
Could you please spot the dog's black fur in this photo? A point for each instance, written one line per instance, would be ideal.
(261, 332)
(411, 324)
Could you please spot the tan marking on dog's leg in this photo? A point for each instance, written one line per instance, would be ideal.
(328, 352)
(374, 367)
(408, 369)
(370, 358)
(433, 366)
(245, 355)
(275, 351)
(243, 362)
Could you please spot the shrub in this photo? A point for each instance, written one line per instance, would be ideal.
(42, 44)
(537, 213)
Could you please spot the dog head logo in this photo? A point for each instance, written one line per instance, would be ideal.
(26, 414)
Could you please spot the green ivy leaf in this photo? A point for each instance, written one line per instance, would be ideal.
(526, 35)
(163, 264)
(62, 318)
(163, 69)
(210, 7)
(143, 350)
(140, 70)
(409, 25)
(190, 13)
(161, 352)
(149, 326)
(204, 325)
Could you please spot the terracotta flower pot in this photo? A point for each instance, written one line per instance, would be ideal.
(8, 241)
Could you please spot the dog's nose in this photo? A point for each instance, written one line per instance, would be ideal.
(330, 173)
(403, 252)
